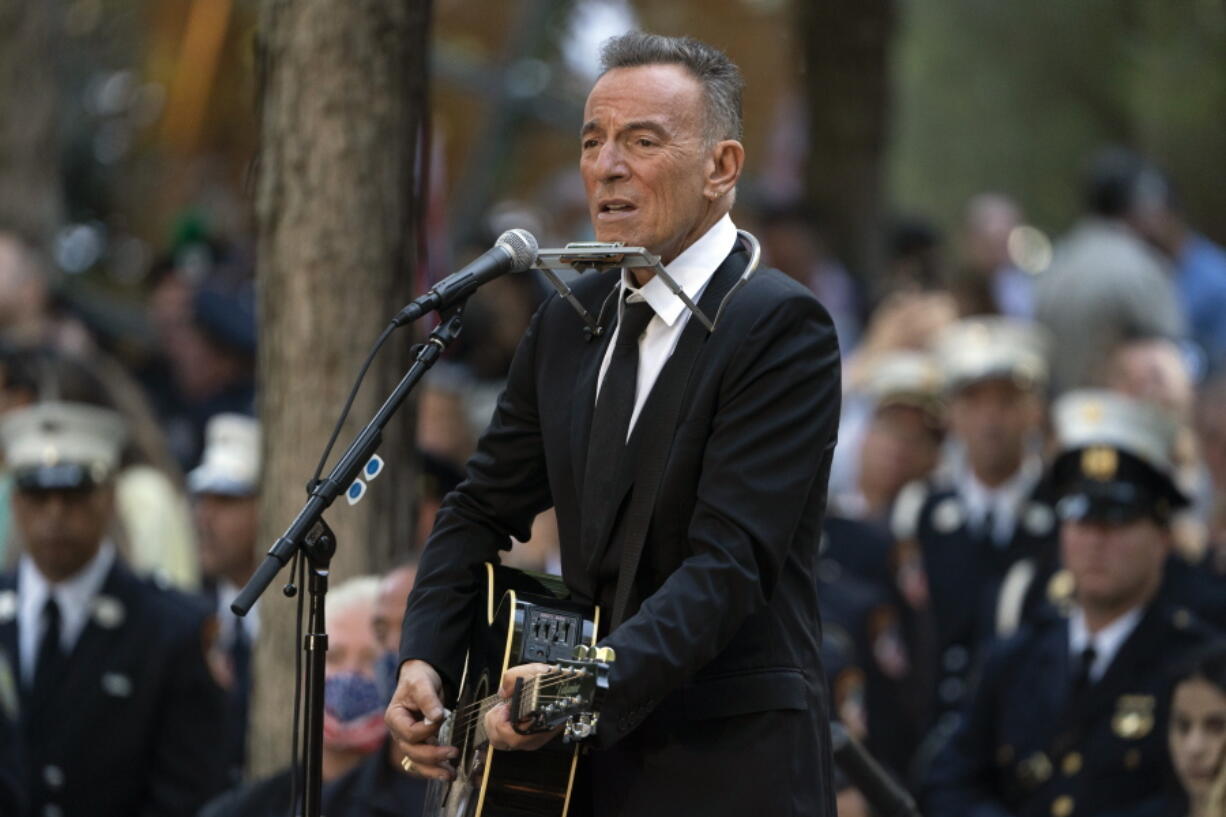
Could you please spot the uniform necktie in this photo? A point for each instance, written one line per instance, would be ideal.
(1083, 679)
(614, 406)
(50, 660)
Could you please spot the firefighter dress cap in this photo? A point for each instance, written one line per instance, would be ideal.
(989, 348)
(61, 446)
(1115, 462)
(231, 462)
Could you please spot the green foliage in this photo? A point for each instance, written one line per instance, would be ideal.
(1013, 97)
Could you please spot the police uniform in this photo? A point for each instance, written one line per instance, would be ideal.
(130, 721)
(965, 536)
(1053, 729)
(231, 467)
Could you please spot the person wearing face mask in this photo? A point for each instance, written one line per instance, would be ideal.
(1197, 734)
(353, 708)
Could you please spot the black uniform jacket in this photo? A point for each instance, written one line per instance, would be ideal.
(717, 702)
(136, 723)
(1027, 747)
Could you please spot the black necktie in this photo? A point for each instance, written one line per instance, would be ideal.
(1082, 679)
(607, 441)
(50, 661)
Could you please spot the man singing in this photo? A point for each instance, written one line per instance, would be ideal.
(717, 703)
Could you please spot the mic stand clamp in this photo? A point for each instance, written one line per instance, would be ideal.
(310, 535)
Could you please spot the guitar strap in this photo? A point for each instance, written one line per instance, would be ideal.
(658, 432)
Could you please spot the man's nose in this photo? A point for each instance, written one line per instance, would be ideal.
(611, 162)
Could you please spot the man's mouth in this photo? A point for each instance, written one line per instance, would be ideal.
(614, 206)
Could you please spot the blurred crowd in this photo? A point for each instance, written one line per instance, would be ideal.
(1023, 564)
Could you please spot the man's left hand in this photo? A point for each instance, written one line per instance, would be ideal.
(498, 725)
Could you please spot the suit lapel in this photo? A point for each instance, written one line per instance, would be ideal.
(109, 611)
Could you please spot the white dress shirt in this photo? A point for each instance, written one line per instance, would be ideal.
(692, 270)
(1107, 641)
(1003, 502)
(74, 596)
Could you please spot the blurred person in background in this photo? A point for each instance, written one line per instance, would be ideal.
(206, 334)
(153, 524)
(225, 491)
(1069, 714)
(353, 712)
(1199, 265)
(974, 519)
(88, 636)
(28, 314)
(1197, 734)
(988, 281)
(1105, 283)
(894, 436)
(792, 242)
(1210, 419)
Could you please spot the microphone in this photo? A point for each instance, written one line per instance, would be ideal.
(515, 251)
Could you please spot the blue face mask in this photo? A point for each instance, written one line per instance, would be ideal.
(353, 712)
(387, 669)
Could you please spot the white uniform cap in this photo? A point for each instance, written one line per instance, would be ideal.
(56, 445)
(906, 378)
(231, 463)
(1095, 417)
(986, 348)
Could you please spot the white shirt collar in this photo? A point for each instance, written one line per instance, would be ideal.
(73, 595)
(1005, 500)
(692, 269)
(1107, 641)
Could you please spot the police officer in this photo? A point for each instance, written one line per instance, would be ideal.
(1068, 716)
(118, 712)
(979, 514)
(225, 490)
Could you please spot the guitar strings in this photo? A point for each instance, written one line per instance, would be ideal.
(467, 716)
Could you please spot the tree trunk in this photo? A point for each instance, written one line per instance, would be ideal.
(31, 197)
(342, 89)
(847, 82)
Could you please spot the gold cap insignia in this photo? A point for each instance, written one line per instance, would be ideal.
(1100, 463)
(1134, 716)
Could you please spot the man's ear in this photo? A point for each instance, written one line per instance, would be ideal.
(724, 169)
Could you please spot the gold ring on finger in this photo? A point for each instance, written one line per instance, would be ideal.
(407, 764)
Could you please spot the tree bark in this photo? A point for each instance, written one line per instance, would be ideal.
(342, 96)
(847, 82)
(31, 196)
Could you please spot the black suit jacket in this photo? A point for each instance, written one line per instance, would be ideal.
(1026, 747)
(137, 723)
(728, 628)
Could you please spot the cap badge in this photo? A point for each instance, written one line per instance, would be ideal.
(1100, 463)
(1134, 716)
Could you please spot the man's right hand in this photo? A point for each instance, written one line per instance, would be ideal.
(414, 717)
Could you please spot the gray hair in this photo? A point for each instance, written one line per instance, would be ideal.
(720, 78)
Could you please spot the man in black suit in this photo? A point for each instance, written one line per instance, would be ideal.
(1069, 716)
(717, 704)
(118, 712)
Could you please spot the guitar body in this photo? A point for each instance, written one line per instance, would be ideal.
(528, 618)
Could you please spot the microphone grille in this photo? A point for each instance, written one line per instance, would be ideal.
(522, 246)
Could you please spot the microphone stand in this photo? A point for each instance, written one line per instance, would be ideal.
(310, 535)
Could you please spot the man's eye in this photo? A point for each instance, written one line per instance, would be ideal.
(644, 142)
(589, 143)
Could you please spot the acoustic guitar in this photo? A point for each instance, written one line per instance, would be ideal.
(527, 618)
